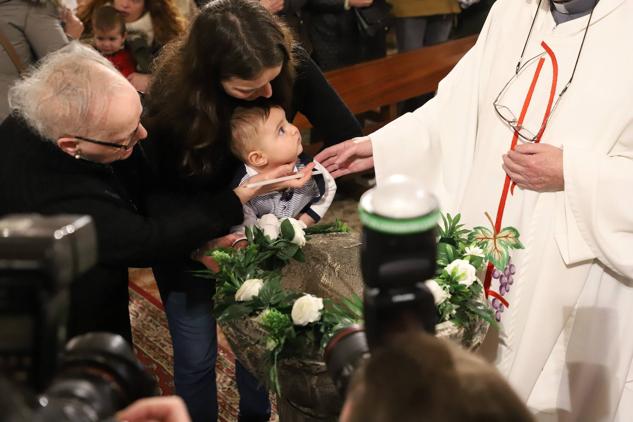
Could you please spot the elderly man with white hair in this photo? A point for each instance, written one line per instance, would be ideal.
(73, 120)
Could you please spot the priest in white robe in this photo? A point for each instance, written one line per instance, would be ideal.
(535, 127)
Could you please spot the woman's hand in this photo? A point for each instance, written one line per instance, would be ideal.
(227, 241)
(155, 409)
(273, 6)
(139, 81)
(348, 157)
(360, 3)
(247, 193)
(72, 25)
(537, 167)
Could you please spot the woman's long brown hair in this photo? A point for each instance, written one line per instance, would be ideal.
(228, 38)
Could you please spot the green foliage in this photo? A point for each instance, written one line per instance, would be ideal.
(337, 227)
(496, 245)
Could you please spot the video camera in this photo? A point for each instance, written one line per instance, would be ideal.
(398, 254)
(97, 374)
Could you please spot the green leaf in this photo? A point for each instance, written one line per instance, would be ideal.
(509, 238)
(236, 311)
(287, 231)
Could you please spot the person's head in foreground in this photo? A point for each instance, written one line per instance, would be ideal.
(76, 99)
(262, 137)
(418, 378)
(109, 31)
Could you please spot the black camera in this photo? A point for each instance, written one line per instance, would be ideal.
(398, 255)
(97, 373)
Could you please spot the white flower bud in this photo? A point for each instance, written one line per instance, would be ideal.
(249, 289)
(306, 309)
(299, 237)
(462, 271)
(439, 294)
(474, 251)
(270, 225)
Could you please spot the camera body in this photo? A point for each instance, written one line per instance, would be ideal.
(398, 255)
(97, 373)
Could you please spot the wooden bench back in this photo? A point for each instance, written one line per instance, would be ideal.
(395, 78)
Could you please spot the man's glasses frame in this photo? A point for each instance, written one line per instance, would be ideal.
(125, 146)
(506, 114)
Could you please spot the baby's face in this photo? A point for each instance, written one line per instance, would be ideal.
(279, 140)
(110, 41)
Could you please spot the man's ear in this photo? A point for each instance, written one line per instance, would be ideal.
(256, 159)
(69, 145)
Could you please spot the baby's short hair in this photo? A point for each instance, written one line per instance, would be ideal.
(246, 122)
(106, 18)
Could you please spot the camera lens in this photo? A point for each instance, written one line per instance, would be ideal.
(98, 376)
(343, 354)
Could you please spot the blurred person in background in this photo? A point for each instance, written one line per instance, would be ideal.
(150, 25)
(31, 29)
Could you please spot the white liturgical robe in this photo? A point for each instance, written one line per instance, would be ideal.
(566, 339)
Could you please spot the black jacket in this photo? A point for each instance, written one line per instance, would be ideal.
(36, 176)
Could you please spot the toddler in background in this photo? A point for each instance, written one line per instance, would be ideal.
(109, 38)
(263, 139)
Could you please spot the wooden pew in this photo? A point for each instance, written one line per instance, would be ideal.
(395, 78)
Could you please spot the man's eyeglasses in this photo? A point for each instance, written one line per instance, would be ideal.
(124, 146)
(507, 115)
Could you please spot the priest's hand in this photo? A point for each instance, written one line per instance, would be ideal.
(537, 167)
(348, 157)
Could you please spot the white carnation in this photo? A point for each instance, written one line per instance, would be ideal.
(462, 271)
(270, 225)
(306, 309)
(249, 289)
(474, 251)
(439, 294)
(300, 236)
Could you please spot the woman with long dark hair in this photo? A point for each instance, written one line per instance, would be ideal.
(235, 51)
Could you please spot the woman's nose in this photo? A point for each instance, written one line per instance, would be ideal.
(267, 90)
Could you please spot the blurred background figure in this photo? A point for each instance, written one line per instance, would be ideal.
(109, 38)
(29, 30)
(150, 24)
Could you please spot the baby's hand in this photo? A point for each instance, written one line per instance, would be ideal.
(307, 220)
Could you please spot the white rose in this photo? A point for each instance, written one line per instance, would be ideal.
(462, 272)
(300, 236)
(439, 294)
(474, 251)
(306, 309)
(270, 225)
(249, 289)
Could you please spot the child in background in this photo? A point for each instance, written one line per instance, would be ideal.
(263, 139)
(109, 38)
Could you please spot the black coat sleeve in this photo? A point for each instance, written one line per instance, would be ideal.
(315, 98)
(128, 238)
(327, 6)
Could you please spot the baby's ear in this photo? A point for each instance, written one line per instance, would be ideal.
(256, 159)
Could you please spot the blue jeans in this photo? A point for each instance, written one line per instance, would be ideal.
(193, 333)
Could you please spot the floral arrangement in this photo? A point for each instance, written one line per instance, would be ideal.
(462, 254)
(249, 283)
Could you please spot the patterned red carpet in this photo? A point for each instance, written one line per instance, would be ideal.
(153, 344)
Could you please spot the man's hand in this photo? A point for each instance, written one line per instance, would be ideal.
(348, 157)
(273, 6)
(537, 167)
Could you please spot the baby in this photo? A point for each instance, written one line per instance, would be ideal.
(263, 139)
(109, 38)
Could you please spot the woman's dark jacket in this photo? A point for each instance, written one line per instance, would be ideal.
(312, 96)
(36, 176)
